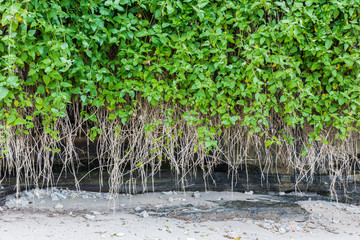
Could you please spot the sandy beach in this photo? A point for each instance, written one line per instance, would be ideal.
(64, 214)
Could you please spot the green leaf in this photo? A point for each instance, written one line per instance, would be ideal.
(66, 85)
(269, 142)
(19, 121)
(328, 44)
(3, 92)
(46, 79)
(341, 100)
(112, 116)
(292, 84)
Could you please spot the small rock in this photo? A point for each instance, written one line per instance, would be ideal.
(249, 193)
(23, 202)
(334, 220)
(171, 199)
(353, 210)
(89, 216)
(96, 212)
(282, 230)
(167, 193)
(1, 209)
(144, 214)
(158, 206)
(2, 188)
(119, 234)
(281, 193)
(10, 204)
(138, 208)
(196, 194)
(122, 205)
(108, 197)
(59, 206)
(59, 195)
(74, 195)
(54, 198)
(29, 194)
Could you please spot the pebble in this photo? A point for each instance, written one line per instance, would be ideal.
(59, 206)
(96, 212)
(1, 209)
(89, 216)
(282, 230)
(281, 193)
(171, 199)
(249, 193)
(54, 198)
(119, 234)
(108, 197)
(29, 194)
(59, 195)
(10, 204)
(23, 202)
(196, 194)
(167, 193)
(144, 214)
(352, 210)
(138, 208)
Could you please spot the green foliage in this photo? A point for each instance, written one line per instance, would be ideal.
(238, 60)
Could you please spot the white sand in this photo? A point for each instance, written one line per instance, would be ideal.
(90, 216)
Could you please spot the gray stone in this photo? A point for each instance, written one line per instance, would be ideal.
(10, 204)
(119, 234)
(23, 202)
(196, 194)
(353, 210)
(167, 193)
(59, 195)
(59, 206)
(108, 197)
(144, 214)
(89, 216)
(138, 208)
(29, 194)
(54, 197)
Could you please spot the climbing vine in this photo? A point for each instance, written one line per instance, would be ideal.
(265, 66)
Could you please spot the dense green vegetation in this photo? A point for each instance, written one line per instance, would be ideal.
(285, 72)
